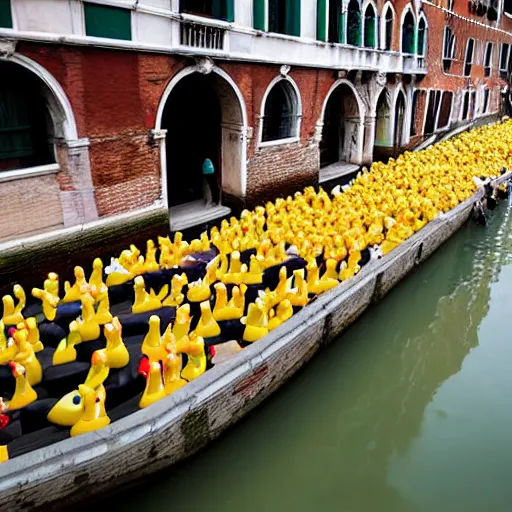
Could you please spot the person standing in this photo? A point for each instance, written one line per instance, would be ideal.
(209, 184)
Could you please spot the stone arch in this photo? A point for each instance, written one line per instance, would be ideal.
(383, 109)
(233, 127)
(351, 115)
(399, 115)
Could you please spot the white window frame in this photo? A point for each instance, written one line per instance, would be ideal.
(453, 46)
(471, 62)
(490, 45)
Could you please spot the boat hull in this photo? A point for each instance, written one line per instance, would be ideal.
(181, 424)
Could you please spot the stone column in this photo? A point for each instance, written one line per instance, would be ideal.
(368, 140)
(159, 137)
(77, 197)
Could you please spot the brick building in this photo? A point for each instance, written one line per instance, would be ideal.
(111, 106)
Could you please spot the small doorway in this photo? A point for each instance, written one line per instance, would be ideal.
(399, 120)
(192, 117)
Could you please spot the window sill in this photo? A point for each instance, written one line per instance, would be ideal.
(29, 172)
(280, 142)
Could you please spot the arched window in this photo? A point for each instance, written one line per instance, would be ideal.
(335, 26)
(422, 37)
(370, 27)
(388, 28)
(280, 118)
(408, 33)
(354, 23)
(399, 119)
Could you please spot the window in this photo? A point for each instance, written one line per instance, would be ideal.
(370, 27)
(449, 46)
(507, 7)
(388, 29)
(485, 105)
(220, 9)
(465, 106)
(24, 133)
(107, 21)
(468, 59)
(488, 59)
(504, 58)
(408, 30)
(5, 14)
(422, 37)
(354, 23)
(284, 17)
(446, 110)
(335, 26)
(433, 106)
(473, 104)
(414, 110)
(280, 118)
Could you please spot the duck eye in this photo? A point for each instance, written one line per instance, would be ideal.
(76, 399)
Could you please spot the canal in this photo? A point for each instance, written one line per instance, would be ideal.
(410, 410)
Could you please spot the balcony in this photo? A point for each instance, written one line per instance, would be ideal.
(194, 33)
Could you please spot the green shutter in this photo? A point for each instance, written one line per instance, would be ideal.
(5, 14)
(222, 10)
(293, 17)
(258, 12)
(341, 31)
(321, 20)
(230, 10)
(106, 21)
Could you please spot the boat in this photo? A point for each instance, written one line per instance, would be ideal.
(180, 424)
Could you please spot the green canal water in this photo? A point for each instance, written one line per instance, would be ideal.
(410, 410)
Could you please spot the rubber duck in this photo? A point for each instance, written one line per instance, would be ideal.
(256, 322)
(155, 389)
(24, 394)
(12, 315)
(73, 293)
(196, 364)
(182, 322)
(150, 263)
(330, 270)
(145, 301)
(207, 326)
(167, 258)
(176, 297)
(236, 272)
(284, 311)
(26, 357)
(255, 273)
(115, 350)
(315, 284)
(117, 274)
(223, 310)
(68, 410)
(237, 301)
(33, 334)
(66, 351)
(49, 302)
(97, 286)
(88, 326)
(103, 315)
(198, 291)
(94, 415)
(172, 369)
(8, 347)
(99, 370)
(152, 346)
(298, 296)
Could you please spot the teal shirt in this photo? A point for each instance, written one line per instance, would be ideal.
(208, 167)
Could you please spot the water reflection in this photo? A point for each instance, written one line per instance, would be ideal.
(328, 439)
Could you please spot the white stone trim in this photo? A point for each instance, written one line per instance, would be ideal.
(343, 81)
(29, 172)
(298, 127)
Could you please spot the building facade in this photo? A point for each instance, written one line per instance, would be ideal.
(110, 106)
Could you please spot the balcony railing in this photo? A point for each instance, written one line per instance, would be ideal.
(198, 35)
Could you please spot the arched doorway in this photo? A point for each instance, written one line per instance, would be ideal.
(382, 126)
(341, 132)
(399, 120)
(205, 118)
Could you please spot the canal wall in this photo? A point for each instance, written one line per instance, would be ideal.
(182, 423)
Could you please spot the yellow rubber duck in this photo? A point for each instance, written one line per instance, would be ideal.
(12, 315)
(103, 315)
(176, 297)
(116, 351)
(348, 270)
(24, 394)
(298, 296)
(182, 322)
(88, 326)
(150, 263)
(26, 357)
(152, 346)
(198, 291)
(196, 364)
(207, 326)
(167, 258)
(172, 369)
(68, 410)
(96, 284)
(145, 301)
(73, 293)
(66, 351)
(237, 301)
(315, 284)
(49, 302)
(94, 415)
(99, 369)
(284, 311)
(155, 389)
(117, 273)
(256, 322)
(33, 334)
(8, 347)
(51, 284)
